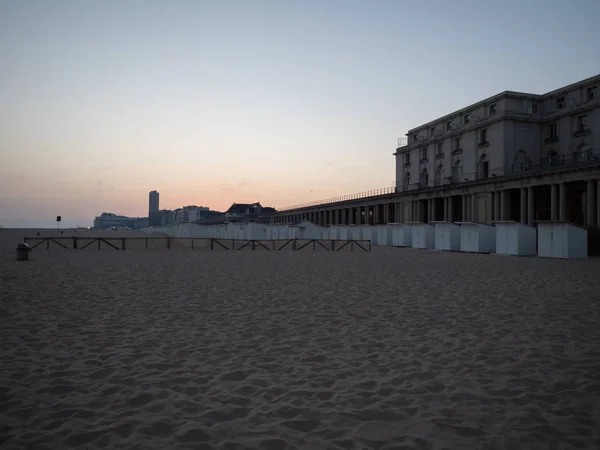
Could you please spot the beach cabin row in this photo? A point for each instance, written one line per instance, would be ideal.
(245, 231)
(553, 239)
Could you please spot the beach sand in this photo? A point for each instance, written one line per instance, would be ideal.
(397, 348)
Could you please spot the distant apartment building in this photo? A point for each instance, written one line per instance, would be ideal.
(187, 214)
(109, 220)
(154, 214)
(153, 202)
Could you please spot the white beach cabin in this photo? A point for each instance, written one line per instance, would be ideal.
(334, 232)
(447, 236)
(354, 232)
(558, 239)
(515, 238)
(423, 235)
(401, 235)
(369, 233)
(307, 230)
(477, 237)
(343, 232)
(384, 235)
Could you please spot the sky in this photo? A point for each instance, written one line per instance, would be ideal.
(281, 102)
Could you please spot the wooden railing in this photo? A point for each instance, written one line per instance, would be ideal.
(121, 243)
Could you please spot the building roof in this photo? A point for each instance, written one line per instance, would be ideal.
(243, 208)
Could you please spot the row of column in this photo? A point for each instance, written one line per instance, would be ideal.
(497, 208)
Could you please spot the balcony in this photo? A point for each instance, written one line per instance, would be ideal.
(551, 140)
(439, 156)
(407, 164)
(582, 132)
(424, 160)
(483, 144)
(457, 151)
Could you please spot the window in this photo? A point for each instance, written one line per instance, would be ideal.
(424, 178)
(483, 136)
(582, 153)
(424, 154)
(592, 92)
(439, 175)
(406, 181)
(466, 119)
(582, 123)
(432, 131)
(484, 166)
(415, 137)
(456, 144)
(552, 131)
(457, 171)
(553, 158)
(440, 149)
(448, 125)
(534, 108)
(492, 109)
(407, 159)
(560, 103)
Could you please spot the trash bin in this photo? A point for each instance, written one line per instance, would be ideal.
(23, 252)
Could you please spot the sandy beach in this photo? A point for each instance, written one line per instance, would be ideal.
(397, 348)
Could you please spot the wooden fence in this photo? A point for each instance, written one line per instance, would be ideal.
(146, 243)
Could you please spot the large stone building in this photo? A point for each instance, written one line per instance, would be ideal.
(513, 156)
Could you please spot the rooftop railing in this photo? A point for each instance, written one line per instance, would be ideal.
(457, 176)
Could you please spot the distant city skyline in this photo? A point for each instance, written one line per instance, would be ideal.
(234, 101)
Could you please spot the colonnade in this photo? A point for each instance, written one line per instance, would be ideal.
(483, 207)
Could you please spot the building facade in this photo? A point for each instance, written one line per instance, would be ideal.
(513, 156)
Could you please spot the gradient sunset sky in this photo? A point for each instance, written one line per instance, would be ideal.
(282, 102)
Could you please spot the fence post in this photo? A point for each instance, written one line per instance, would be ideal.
(253, 244)
(168, 243)
(74, 243)
(212, 244)
(146, 244)
(122, 243)
(98, 243)
(192, 244)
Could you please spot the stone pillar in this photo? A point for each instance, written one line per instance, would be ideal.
(473, 208)
(530, 207)
(523, 217)
(446, 201)
(562, 202)
(464, 208)
(503, 215)
(497, 215)
(553, 202)
(429, 210)
(386, 213)
(450, 210)
(590, 216)
(399, 209)
(598, 203)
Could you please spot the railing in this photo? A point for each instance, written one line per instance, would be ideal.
(121, 243)
(548, 164)
(343, 198)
